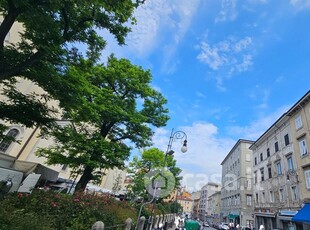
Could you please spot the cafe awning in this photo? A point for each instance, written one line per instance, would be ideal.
(303, 214)
(31, 167)
(232, 216)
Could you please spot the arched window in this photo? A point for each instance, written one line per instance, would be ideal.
(7, 141)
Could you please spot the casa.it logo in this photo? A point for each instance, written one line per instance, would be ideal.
(159, 182)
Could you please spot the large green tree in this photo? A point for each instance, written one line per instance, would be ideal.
(50, 29)
(51, 25)
(114, 110)
(141, 167)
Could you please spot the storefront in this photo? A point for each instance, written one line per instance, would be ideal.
(285, 219)
(302, 218)
(268, 219)
(234, 218)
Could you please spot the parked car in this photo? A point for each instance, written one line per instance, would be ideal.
(244, 227)
(206, 224)
(217, 225)
(224, 226)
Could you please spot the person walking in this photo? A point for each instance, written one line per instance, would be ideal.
(261, 227)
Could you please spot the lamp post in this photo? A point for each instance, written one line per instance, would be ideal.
(176, 135)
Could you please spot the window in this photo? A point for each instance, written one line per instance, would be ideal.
(256, 200)
(271, 196)
(286, 140)
(290, 163)
(64, 167)
(276, 147)
(5, 144)
(298, 122)
(263, 197)
(248, 184)
(279, 169)
(268, 152)
(281, 195)
(255, 161)
(247, 157)
(248, 200)
(262, 174)
(307, 177)
(255, 177)
(303, 147)
(261, 157)
(269, 172)
(294, 193)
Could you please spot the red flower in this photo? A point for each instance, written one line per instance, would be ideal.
(54, 204)
(20, 195)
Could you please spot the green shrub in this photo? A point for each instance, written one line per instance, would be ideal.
(49, 210)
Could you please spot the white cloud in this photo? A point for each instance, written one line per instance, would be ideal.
(206, 150)
(201, 95)
(157, 18)
(257, 127)
(242, 44)
(280, 79)
(245, 63)
(211, 56)
(228, 11)
(300, 4)
(230, 54)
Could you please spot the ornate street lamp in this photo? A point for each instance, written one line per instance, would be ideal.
(176, 135)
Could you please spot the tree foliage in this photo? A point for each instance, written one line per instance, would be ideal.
(139, 168)
(113, 107)
(51, 25)
(50, 29)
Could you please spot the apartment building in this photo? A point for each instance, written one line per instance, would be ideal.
(299, 118)
(276, 186)
(214, 205)
(196, 202)
(236, 193)
(206, 191)
(186, 203)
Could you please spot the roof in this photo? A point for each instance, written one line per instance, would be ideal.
(185, 198)
(305, 99)
(235, 146)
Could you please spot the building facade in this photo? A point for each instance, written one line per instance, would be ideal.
(196, 202)
(276, 188)
(186, 203)
(206, 191)
(299, 116)
(214, 205)
(237, 191)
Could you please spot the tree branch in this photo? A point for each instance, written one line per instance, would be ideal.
(66, 23)
(106, 129)
(120, 138)
(8, 21)
(5, 74)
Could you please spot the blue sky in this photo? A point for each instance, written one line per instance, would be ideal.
(228, 69)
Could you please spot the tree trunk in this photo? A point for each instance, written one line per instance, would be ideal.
(85, 178)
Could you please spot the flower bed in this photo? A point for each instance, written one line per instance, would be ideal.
(49, 210)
